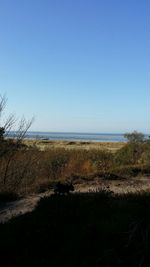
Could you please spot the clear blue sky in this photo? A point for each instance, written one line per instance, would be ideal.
(77, 65)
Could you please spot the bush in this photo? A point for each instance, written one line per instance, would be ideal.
(134, 137)
(2, 132)
(129, 154)
(8, 196)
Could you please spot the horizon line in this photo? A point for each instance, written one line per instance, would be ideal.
(74, 132)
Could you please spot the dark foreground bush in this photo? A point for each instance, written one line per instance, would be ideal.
(7, 196)
(94, 229)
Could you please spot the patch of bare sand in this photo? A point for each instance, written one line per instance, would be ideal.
(116, 186)
(19, 207)
(28, 204)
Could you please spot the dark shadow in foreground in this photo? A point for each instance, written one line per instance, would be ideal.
(78, 230)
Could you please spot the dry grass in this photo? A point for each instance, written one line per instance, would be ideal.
(47, 144)
(34, 166)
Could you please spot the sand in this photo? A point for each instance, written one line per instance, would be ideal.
(28, 204)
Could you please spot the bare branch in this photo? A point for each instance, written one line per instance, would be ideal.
(3, 101)
(24, 126)
(9, 123)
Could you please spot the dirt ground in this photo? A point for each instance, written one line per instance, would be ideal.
(116, 186)
(28, 204)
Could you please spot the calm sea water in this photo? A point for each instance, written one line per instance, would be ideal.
(95, 137)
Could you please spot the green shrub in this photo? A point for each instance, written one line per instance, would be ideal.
(129, 154)
(134, 137)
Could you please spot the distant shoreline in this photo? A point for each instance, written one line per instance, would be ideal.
(81, 137)
(73, 137)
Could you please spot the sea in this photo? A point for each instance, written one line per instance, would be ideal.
(69, 136)
(85, 137)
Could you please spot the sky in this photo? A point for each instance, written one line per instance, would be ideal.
(77, 65)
